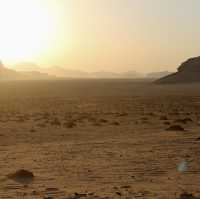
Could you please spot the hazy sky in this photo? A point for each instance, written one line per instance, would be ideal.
(114, 35)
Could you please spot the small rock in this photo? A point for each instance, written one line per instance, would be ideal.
(126, 187)
(52, 189)
(175, 128)
(69, 124)
(186, 195)
(22, 176)
(47, 197)
(198, 139)
(80, 195)
(163, 118)
(118, 193)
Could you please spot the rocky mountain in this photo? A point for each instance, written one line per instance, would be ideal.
(10, 74)
(68, 73)
(64, 72)
(188, 72)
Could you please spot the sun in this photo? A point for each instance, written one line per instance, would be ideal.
(27, 29)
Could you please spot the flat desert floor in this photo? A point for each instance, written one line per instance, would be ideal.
(99, 139)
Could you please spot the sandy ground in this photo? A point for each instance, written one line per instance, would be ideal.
(99, 139)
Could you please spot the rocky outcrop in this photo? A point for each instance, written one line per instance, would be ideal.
(188, 72)
(191, 65)
(22, 176)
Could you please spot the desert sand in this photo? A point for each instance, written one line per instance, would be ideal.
(99, 139)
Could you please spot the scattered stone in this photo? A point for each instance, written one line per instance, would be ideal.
(175, 128)
(183, 121)
(151, 114)
(103, 120)
(80, 195)
(91, 194)
(115, 123)
(52, 189)
(118, 193)
(22, 176)
(163, 118)
(77, 195)
(32, 130)
(122, 114)
(35, 193)
(186, 195)
(69, 124)
(47, 197)
(126, 187)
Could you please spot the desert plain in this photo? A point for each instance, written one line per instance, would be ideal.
(99, 139)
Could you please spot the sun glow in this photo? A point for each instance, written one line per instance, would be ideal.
(27, 29)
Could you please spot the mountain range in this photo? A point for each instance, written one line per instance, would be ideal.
(10, 74)
(63, 72)
(28, 71)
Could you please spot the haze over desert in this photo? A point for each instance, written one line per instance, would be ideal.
(99, 99)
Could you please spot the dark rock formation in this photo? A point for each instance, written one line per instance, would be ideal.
(188, 72)
(175, 128)
(22, 176)
(186, 195)
(191, 65)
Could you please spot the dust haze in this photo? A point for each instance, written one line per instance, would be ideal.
(99, 99)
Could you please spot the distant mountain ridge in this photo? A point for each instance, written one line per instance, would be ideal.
(10, 74)
(68, 73)
(62, 72)
(156, 75)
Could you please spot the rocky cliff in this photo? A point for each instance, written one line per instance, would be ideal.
(188, 72)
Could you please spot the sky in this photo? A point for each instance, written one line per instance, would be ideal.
(100, 35)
